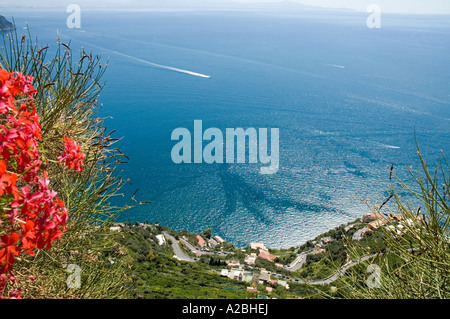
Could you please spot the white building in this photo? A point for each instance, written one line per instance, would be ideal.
(161, 239)
(250, 259)
(236, 274)
(256, 246)
(264, 275)
(219, 239)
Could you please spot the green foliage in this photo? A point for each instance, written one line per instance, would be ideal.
(67, 103)
(217, 262)
(208, 233)
(415, 262)
(162, 276)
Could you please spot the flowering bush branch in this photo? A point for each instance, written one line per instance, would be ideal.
(68, 87)
(31, 214)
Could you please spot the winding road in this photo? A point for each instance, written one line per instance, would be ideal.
(358, 235)
(295, 265)
(299, 261)
(195, 250)
(340, 272)
(178, 252)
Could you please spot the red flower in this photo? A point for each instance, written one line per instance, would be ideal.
(72, 156)
(8, 185)
(35, 216)
(29, 237)
(8, 251)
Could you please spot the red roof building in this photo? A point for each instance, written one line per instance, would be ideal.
(266, 255)
(201, 241)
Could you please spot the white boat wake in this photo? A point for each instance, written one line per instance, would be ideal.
(337, 66)
(159, 65)
(150, 63)
(386, 145)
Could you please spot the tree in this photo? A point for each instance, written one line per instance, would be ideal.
(208, 233)
(151, 256)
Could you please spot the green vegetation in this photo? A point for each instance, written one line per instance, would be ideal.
(67, 103)
(415, 261)
(155, 274)
(411, 249)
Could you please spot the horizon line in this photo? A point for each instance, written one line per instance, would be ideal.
(240, 7)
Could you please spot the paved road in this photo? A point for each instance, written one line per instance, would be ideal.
(358, 235)
(335, 276)
(296, 264)
(299, 261)
(179, 253)
(195, 250)
(341, 271)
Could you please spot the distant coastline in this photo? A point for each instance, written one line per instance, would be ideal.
(5, 25)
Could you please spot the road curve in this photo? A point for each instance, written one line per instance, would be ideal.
(195, 250)
(348, 265)
(299, 261)
(179, 253)
(341, 271)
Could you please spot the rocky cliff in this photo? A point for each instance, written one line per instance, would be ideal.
(5, 25)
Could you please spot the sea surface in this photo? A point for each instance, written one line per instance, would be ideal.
(347, 101)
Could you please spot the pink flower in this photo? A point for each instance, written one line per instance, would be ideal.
(72, 156)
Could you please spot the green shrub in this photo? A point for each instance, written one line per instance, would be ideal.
(67, 103)
(414, 263)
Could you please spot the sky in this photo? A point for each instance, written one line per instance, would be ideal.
(387, 6)
(392, 6)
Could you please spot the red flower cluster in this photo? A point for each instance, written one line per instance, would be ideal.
(31, 215)
(72, 156)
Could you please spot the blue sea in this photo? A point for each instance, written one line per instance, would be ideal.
(347, 101)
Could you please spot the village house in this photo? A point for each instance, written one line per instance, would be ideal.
(115, 228)
(236, 274)
(264, 275)
(319, 251)
(234, 263)
(219, 239)
(250, 259)
(212, 242)
(273, 282)
(370, 217)
(161, 239)
(376, 224)
(201, 241)
(256, 246)
(346, 229)
(266, 255)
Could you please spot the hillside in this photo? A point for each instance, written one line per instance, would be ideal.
(60, 239)
(219, 270)
(5, 25)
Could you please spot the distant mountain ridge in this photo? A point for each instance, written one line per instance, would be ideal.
(133, 5)
(5, 25)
